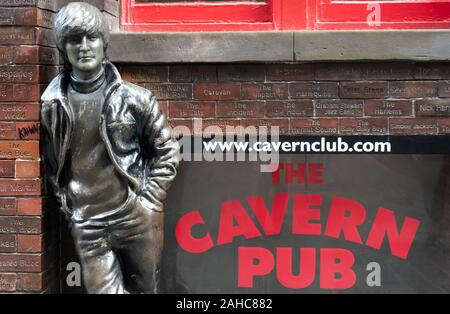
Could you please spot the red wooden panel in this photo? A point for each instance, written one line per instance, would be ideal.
(331, 14)
(200, 12)
(197, 27)
(196, 16)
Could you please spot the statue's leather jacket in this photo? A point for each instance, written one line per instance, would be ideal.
(136, 134)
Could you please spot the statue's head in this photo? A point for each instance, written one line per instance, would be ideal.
(82, 36)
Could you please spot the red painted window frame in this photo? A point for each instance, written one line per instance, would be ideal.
(231, 16)
(282, 15)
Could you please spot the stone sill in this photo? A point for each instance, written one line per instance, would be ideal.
(298, 46)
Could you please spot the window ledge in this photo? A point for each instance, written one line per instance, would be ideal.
(301, 46)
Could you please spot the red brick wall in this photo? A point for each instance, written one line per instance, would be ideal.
(28, 61)
(316, 99)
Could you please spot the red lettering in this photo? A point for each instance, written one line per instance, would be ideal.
(315, 173)
(399, 243)
(307, 267)
(336, 261)
(276, 174)
(253, 261)
(271, 223)
(184, 236)
(338, 220)
(303, 214)
(300, 173)
(229, 213)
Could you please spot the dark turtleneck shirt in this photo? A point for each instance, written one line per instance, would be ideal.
(95, 187)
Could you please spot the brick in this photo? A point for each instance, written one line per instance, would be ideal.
(223, 91)
(432, 70)
(16, 3)
(338, 108)
(27, 169)
(19, 149)
(192, 109)
(27, 92)
(32, 282)
(26, 55)
(338, 71)
(6, 55)
(7, 243)
(432, 107)
(110, 6)
(7, 169)
(45, 18)
(444, 126)
(363, 89)
(170, 91)
(412, 126)
(26, 16)
(265, 91)
(48, 55)
(386, 71)
(43, 4)
(19, 74)
(241, 73)
(50, 5)
(18, 111)
(240, 109)
(289, 108)
(380, 107)
(29, 206)
(444, 89)
(413, 89)
(178, 127)
(23, 225)
(33, 16)
(192, 73)
(226, 126)
(17, 36)
(263, 126)
(8, 206)
(13, 187)
(30, 243)
(364, 126)
(44, 37)
(7, 131)
(145, 73)
(322, 126)
(290, 72)
(27, 130)
(21, 262)
(6, 92)
(6, 16)
(8, 282)
(364, 71)
(313, 90)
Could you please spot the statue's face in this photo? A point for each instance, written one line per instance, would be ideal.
(85, 53)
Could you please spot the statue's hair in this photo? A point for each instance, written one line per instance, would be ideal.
(78, 18)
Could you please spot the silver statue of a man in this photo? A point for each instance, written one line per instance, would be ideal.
(110, 158)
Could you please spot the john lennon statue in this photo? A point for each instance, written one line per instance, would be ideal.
(110, 158)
